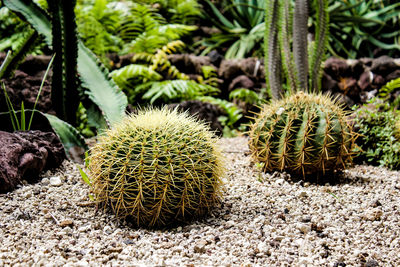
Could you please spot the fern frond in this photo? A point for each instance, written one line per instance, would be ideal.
(389, 87)
(171, 90)
(234, 112)
(145, 42)
(25, 46)
(142, 56)
(160, 60)
(126, 77)
(184, 11)
(174, 31)
(140, 19)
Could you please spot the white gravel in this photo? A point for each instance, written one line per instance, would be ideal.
(264, 220)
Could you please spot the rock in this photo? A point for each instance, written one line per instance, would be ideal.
(303, 194)
(329, 84)
(55, 181)
(229, 69)
(374, 214)
(337, 68)
(215, 57)
(378, 81)
(107, 229)
(365, 80)
(304, 228)
(383, 65)
(24, 88)
(371, 263)
(45, 181)
(241, 81)
(344, 99)
(207, 112)
(200, 246)
(189, 64)
(66, 223)
(23, 155)
(393, 75)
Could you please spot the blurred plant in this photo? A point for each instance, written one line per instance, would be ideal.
(144, 30)
(159, 80)
(98, 22)
(176, 11)
(15, 33)
(248, 96)
(240, 26)
(388, 97)
(359, 27)
(378, 143)
(233, 114)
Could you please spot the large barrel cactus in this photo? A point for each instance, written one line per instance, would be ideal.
(302, 134)
(157, 168)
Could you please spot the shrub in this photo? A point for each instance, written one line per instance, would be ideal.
(378, 143)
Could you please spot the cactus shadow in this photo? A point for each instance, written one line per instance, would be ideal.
(332, 178)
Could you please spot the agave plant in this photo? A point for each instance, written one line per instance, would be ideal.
(241, 27)
(359, 27)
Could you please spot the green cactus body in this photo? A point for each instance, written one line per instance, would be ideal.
(302, 134)
(157, 168)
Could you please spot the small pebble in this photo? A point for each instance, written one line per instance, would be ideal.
(55, 181)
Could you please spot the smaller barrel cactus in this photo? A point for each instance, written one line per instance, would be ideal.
(302, 134)
(157, 168)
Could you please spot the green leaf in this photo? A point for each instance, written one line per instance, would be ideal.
(101, 90)
(84, 176)
(34, 15)
(68, 135)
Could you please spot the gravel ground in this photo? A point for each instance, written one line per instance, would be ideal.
(264, 220)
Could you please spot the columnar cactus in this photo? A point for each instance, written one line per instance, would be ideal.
(302, 134)
(157, 168)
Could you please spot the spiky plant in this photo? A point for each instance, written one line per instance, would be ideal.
(302, 134)
(286, 46)
(157, 168)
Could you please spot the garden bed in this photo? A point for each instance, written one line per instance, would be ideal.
(263, 220)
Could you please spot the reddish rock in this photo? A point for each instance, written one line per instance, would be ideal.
(241, 81)
(365, 80)
(384, 65)
(189, 64)
(23, 155)
(394, 75)
(336, 68)
(229, 69)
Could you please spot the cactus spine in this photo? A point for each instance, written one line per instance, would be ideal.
(302, 134)
(157, 168)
